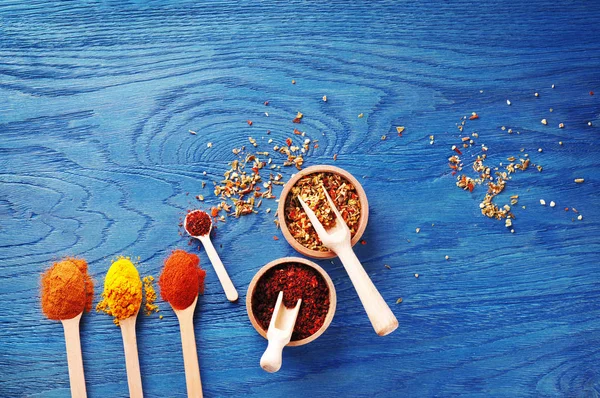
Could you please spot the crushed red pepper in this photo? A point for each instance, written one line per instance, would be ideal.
(198, 223)
(297, 281)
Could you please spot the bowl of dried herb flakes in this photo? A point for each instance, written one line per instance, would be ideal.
(347, 193)
(298, 278)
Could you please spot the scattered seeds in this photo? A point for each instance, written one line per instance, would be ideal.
(544, 122)
(360, 115)
(561, 125)
(400, 130)
(579, 180)
(590, 124)
(552, 204)
(508, 102)
(416, 275)
(418, 230)
(542, 202)
(293, 82)
(399, 300)
(209, 145)
(383, 137)
(324, 98)
(553, 86)
(447, 257)
(540, 149)
(192, 132)
(537, 94)
(580, 217)
(387, 266)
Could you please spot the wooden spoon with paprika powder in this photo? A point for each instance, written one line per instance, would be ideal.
(180, 282)
(198, 225)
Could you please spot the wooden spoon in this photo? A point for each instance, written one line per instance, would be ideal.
(190, 354)
(230, 291)
(74, 360)
(279, 334)
(132, 362)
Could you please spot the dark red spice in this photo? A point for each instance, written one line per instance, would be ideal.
(198, 223)
(296, 281)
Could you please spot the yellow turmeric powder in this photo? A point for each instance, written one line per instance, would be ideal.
(122, 296)
(149, 295)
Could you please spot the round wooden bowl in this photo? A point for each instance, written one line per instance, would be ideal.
(364, 209)
(285, 260)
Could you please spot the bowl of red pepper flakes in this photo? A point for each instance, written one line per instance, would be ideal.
(298, 278)
(346, 192)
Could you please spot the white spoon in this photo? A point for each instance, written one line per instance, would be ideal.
(74, 360)
(230, 291)
(190, 354)
(337, 239)
(279, 334)
(132, 362)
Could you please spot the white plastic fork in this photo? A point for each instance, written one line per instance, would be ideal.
(337, 239)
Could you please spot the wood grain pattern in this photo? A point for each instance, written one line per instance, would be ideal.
(96, 160)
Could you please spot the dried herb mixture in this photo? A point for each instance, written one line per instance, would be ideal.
(341, 191)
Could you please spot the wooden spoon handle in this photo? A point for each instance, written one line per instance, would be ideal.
(190, 356)
(74, 359)
(230, 291)
(132, 362)
(381, 316)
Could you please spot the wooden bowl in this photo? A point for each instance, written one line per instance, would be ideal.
(285, 260)
(364, 209)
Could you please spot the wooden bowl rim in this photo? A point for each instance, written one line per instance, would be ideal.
(284, 260)
(364, 209)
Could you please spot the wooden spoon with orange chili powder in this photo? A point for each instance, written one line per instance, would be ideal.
(181, 281)
(67, 291)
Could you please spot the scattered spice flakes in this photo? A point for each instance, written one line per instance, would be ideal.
(383, 137)
(418, 230)
(249, 122)
(298, 118)
(474, 116)
(387, 266)
(335, 156)
(343, 194)
(209, 145)
(293, 82)
(360, 115)
(399, 300)
(275, 237)
(324, 98)
(149, 295)
(544, 122)
(363, 242)
(579, 180)
(400, 130)
(192, 132)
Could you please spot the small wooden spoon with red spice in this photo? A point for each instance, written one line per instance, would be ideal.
(230, 291)
(190, 353)
(279, 334)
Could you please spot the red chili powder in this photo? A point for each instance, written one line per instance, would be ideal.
(182, 279)
(198, 223)
(296, 281)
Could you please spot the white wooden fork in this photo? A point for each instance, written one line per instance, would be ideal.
(338, 240)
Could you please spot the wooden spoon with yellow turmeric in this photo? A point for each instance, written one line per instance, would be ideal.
(122, 298)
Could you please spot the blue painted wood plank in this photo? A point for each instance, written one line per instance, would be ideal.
(96, 160)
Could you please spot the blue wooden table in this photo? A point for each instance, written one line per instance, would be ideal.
(96, 160)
